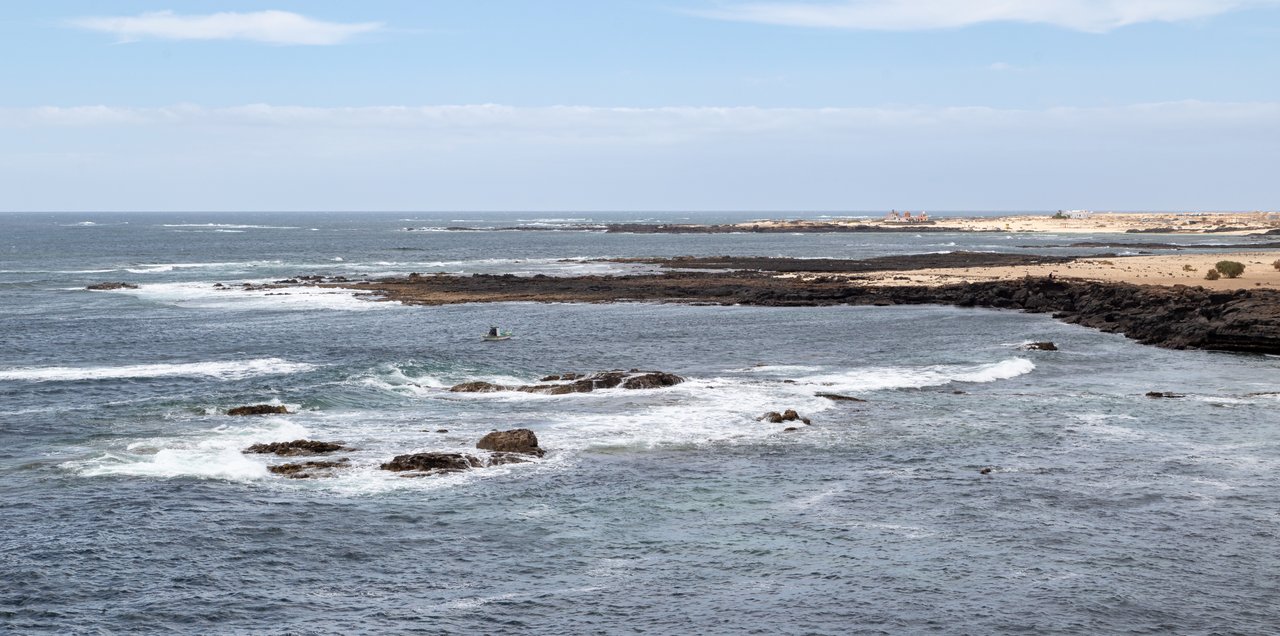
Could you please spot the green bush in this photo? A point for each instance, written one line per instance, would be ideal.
(1212, 275)
(1276, 264)
(1059, 215)
(1188, 268)
(1230, 269)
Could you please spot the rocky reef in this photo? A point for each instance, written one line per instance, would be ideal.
(577, 383)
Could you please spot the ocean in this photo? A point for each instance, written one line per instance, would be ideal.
(128, 506)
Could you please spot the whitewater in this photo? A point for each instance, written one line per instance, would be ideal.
(976, 487)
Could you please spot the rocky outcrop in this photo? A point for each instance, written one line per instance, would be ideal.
(577, 383)
(520, 440)
(1040, 346)
(1178, 317)
(836, 397)
(296, 447)
(259, 409)
(433, 463)
(110, 286)
(790, 415)
(309, 470)
(1164, 394)
(478, 387)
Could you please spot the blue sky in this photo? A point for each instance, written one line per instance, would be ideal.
(634, 105)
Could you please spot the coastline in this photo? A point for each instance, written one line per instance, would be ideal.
(1223, 223)
(1239, 315)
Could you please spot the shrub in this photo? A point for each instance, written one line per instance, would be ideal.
(1212, 275)
(1276, 264)
(1230, 269)
(1059, 215)
(1188, 268)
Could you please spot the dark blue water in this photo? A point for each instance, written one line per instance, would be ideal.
(128, 506)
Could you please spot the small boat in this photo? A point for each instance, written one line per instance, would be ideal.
(495, 335)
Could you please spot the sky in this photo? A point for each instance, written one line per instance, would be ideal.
(582, 105)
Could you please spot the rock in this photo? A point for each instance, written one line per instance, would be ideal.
(442, 430)
(840, 398)
(789, 429)
(563, 376)
(498, 459)
(259, 409)
(308, 470)
(578, 383)
(985, 471)
(296, 447)
(1164, 394)
(478, 387)
(432, 462)
(110, 286)
(652, 380)
(774, 417)
(1040, 346)
(520, 440)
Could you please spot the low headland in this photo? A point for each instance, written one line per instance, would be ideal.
(1159, 300)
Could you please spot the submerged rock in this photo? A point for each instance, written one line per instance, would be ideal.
(110, 286)
(1164, 394)
(432, 462)
(308, 470)
(259, 409)
(296, 447)
(520, 440)
(840, 398)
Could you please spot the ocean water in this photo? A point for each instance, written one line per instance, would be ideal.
(128, 507)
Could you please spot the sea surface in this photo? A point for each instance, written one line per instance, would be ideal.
(127, 506)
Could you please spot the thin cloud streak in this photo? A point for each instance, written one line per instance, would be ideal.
(269, 27)
(1095, 16)
(666, 123)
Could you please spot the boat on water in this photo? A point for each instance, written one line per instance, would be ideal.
(495, 335)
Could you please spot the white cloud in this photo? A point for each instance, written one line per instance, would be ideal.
(272, 27)
(908, 15)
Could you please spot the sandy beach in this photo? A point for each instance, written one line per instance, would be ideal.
(1166, 270)
(1228, 223)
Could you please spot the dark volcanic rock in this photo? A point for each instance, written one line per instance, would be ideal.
(478, 387)
(1040, 346)
(840, 398)
(432, 462)
(259, 409)
(296, 447)
(110, 286)
(308, 470)
(498, 459)
(520, 440)
(652, 380)
(790, 415)
(578, 383)
(1164, 394)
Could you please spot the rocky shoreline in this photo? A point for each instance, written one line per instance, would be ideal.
(1177, 317)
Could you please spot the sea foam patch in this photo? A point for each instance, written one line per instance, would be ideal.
(230, 370)
(215, 454)
(206, 296)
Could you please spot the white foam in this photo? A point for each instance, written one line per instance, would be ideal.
(217, 454)
(233, 370)
(231, 226)
(885, 378)
(206, 296)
